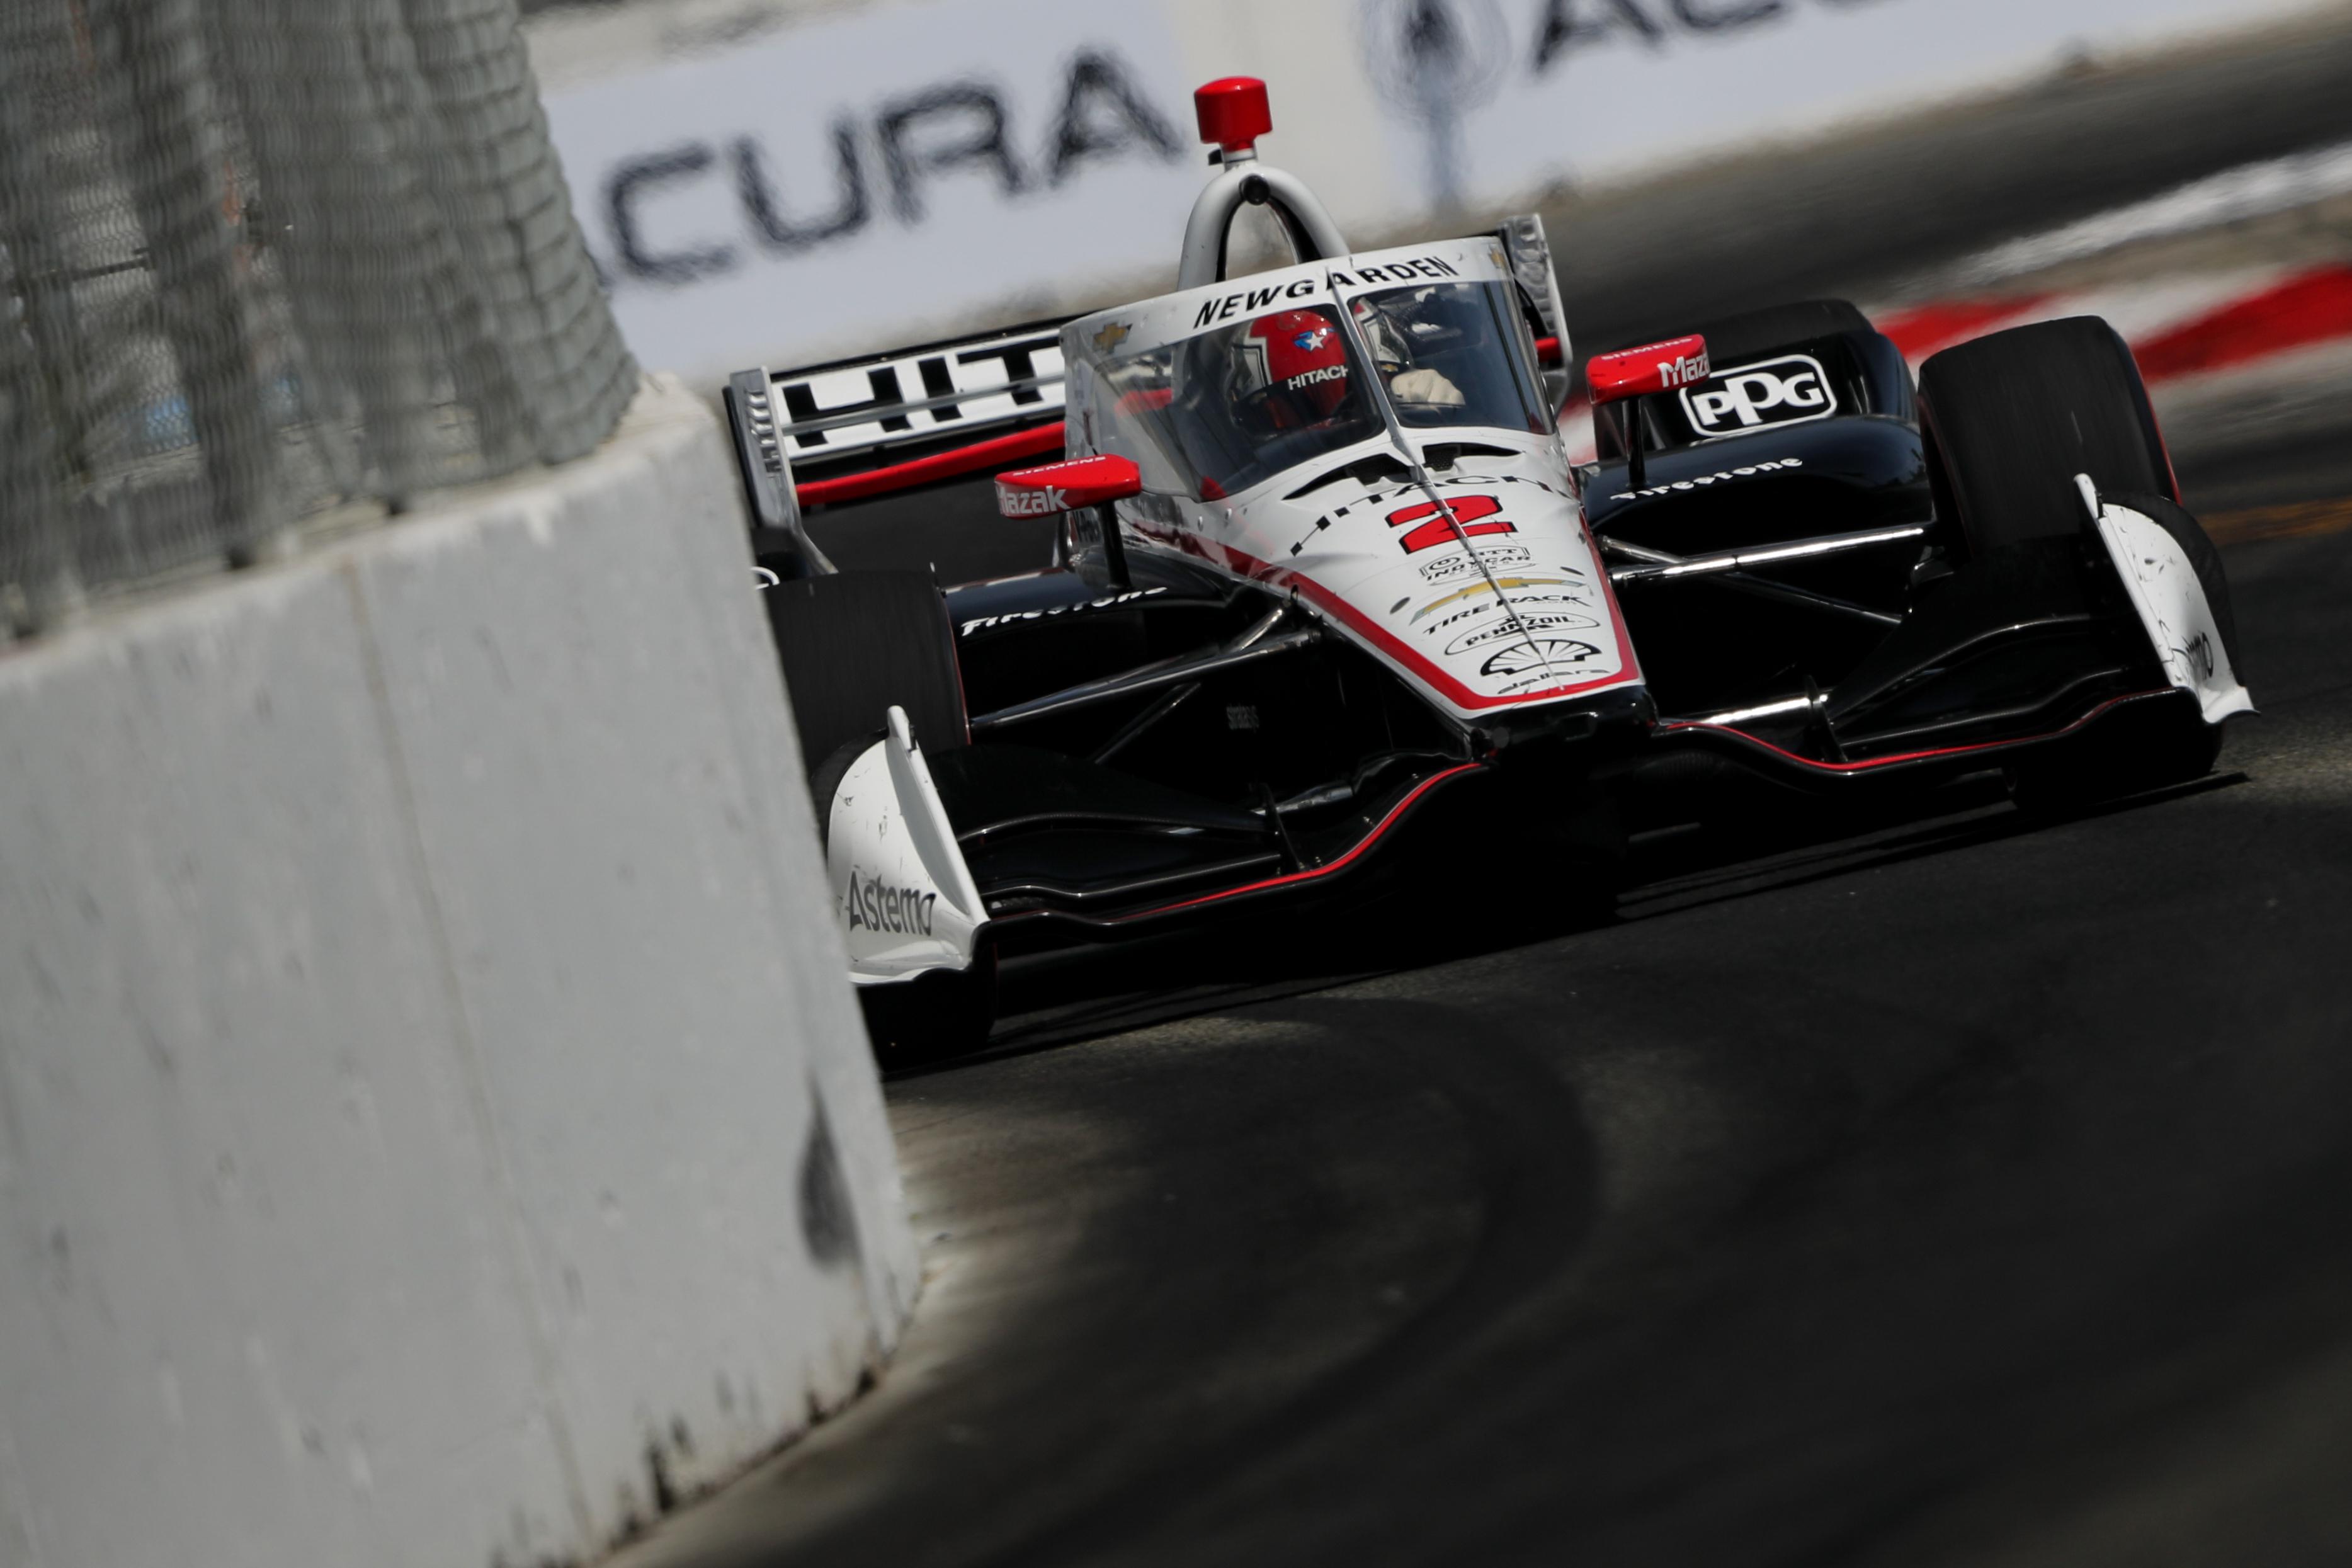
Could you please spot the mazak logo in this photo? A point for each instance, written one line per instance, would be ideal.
(1026, 502)
(1682, 372)
(1785, 391)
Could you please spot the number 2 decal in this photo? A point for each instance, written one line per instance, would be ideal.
(1435, 530)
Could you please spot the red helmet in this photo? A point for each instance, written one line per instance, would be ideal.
(1290, 369)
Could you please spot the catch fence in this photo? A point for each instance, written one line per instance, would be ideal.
(270, 265)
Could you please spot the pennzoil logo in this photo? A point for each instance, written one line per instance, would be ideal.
(877, 905)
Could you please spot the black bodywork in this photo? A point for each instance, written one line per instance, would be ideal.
(1898, 661)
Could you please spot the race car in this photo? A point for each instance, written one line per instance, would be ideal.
(1311, 550)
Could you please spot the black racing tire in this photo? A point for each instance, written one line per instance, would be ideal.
(933, 1017)
(2149, 746)
(856, 644)
(2012, 418)
(853, 646)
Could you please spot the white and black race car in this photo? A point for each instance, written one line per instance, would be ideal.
(1313, 550)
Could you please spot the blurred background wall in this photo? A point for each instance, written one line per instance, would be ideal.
(786, 180)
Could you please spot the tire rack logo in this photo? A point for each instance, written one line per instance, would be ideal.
(1493, 557)
(876, 905)
(1785, 391)
(1503, 588)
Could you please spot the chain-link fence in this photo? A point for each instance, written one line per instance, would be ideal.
(270, 264)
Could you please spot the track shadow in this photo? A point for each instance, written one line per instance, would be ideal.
(1423, 908)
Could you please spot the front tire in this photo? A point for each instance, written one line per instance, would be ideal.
(853, 646)
(2010, 419)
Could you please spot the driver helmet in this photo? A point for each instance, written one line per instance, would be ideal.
(1289, 372)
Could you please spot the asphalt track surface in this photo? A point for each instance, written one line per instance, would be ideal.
(1947, 1187)
(1951, 1189)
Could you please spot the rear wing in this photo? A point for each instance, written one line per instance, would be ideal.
(843, 432)
(832, 434)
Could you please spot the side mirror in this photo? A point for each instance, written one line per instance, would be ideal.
(1638, 372)
(1069, 486)
(1653, 367)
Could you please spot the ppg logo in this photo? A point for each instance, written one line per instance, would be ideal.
(1784, 391)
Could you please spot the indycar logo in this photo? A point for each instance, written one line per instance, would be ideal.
(876, 905)
(1471, 514)
(1492, 557)
(1527, 658)
(1785, 391)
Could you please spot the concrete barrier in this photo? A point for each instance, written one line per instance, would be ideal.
(434, 1127)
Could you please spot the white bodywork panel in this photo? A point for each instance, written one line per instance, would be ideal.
(2165, 590)
(905, 898)
(1515, 609)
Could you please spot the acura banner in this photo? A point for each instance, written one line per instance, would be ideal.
(911, 168)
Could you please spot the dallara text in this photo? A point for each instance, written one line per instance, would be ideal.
(1318, 552)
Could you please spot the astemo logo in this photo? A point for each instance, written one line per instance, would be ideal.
(1784, 391)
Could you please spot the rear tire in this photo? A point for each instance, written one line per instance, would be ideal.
(2011, 420)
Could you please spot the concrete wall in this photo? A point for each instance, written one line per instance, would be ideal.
(433, 1125)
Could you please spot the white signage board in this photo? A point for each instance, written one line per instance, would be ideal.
(1490, 101)
(843, 185)
(914, 169)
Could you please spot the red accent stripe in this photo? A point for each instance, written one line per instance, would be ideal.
(945, 465)
(1417, 664)
(2306, 309)
(1314, 873)
(2058, 734)
(1922, 331)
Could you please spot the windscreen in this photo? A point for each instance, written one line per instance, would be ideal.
(1228, 408)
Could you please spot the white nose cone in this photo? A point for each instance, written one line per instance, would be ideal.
(1503, 605)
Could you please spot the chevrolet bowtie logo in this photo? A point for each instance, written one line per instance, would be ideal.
(1111, 336)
